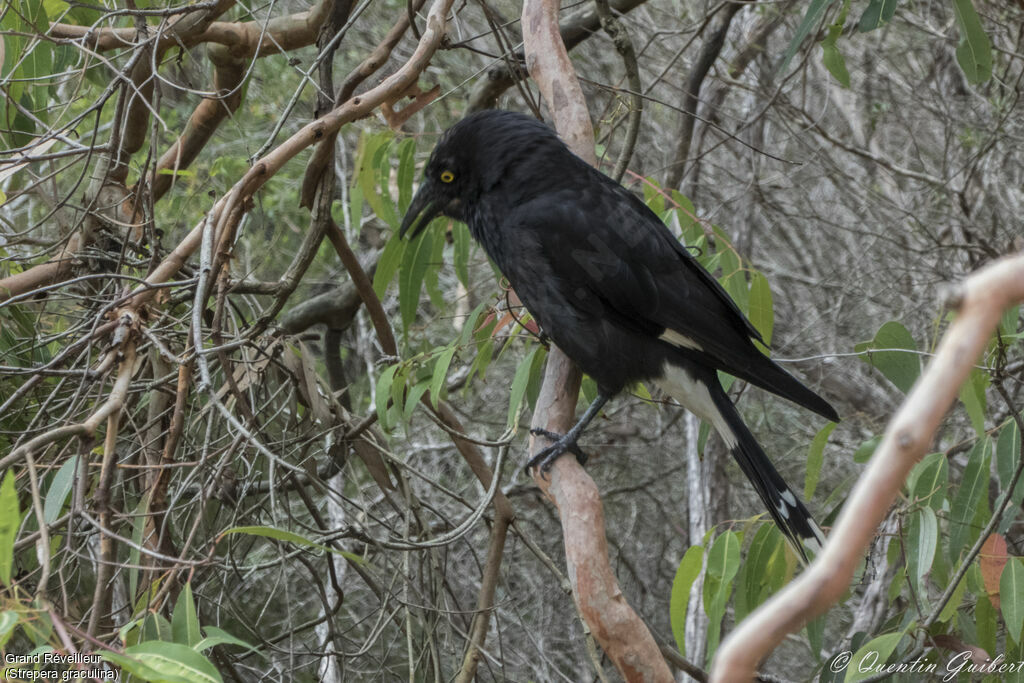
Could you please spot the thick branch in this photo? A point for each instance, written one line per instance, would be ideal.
(619, 630)
(981, 299)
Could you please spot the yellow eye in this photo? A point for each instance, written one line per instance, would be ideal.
(447, 176)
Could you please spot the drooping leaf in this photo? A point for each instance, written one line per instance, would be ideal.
(519, 384)
(722, 565)
(762, 312)
(440, 374)
(1007, 460)
(929, 480)
(686, 574)
(410, 279)
(815, 12)
(973, 485)
(974, 51)
(972, 395)
(1011, 598)
(922, 540)
(831, 56)
(815, 459)
(10, 518)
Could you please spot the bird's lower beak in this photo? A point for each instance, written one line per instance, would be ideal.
(421, 211)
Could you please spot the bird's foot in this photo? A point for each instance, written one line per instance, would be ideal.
(563, 443)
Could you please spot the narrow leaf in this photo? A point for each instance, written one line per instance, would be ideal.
(922, 539)
(815, 11)
(184, 621)
(10, 518)
(815, 459)
(974, 51)
(444, 361)
(59, 489)
(519, 383)
(686, 574)
(762, 312)
(1011, 598)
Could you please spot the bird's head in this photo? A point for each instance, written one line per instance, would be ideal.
(471, 158)
(448, 182)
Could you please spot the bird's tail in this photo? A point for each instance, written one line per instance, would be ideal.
(705, 397)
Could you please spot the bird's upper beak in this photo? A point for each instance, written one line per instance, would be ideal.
(424, 208)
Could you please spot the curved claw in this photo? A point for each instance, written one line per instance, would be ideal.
(563, 443)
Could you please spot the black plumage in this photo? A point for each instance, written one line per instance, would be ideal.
(609, 283)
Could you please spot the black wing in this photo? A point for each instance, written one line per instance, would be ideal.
(600, 240)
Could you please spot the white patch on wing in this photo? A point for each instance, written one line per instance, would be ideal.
(815, 544)
(695, 397)
(680, 340)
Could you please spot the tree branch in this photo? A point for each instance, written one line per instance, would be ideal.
(618, 629)
(981, 300)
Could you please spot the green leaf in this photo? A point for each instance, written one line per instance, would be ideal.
(184, 621)
(410, 278)
(973, 485)
(289, 537)
(986, 620)
(519, 384)
(866, 449)
(1011, 597)
(10, 518)
(406, 172)
(165, 663)
(440, 374)
(412, 399)
(1007, 460)
(762, 312)
(974, 51)
(723, 563)
(831, 56)
(878, 12)
(928, 481)
(922, 540)
(686, 574)
(873, 653)
(387, 264)
(460, 255)
(900, 368)
(216, 636)
(954, 602)
(756, 579)
(815, 459)
(815, 11)
(972, 395)
(383, 393)
(8, 620)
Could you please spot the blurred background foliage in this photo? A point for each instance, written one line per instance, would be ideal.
(291, 503)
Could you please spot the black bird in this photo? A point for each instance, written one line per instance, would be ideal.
(610, 285)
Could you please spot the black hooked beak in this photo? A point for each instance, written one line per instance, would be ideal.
(423, 209)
